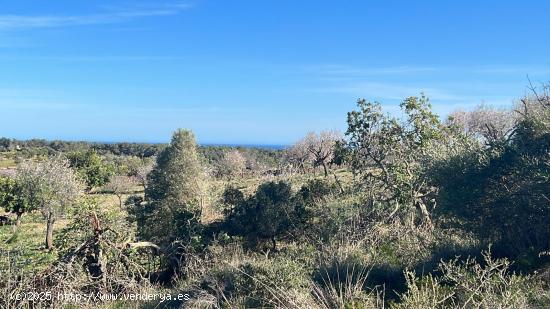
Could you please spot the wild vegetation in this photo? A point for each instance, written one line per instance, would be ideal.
(402, 211)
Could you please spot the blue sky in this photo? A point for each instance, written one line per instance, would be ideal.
(254, 71)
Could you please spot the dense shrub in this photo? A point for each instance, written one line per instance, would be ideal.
(12, 199)
(500, 192)
(271, 213)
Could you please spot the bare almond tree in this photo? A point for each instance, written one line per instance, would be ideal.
(253, 165)
(233, 163)
(487, 123)
(119, 185)
(51, 186)
(142, 171)
(299, 156)
(321, 147)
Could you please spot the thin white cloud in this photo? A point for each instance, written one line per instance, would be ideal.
(18, 22)
(467, 86)
(25, 99)
(386, 90)
(23, 93)
(397, 92)
(92, 58)
(516, 70)
(14, 41)
(351, 71)
(37, 106)
(173, 110)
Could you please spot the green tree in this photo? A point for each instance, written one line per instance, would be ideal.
(390, 153)
(174, 193)
(5, 144)
(232, 196)
(91, 167)
(341, 153)
(12, 200)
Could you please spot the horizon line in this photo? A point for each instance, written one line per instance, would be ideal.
(204, 144)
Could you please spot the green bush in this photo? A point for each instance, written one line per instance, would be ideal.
(500, 192)
(272, 212)
(91, 168)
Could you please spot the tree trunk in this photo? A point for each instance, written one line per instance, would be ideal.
(49, 231)
(119, 201)
(273, 244)
(425, 214)
(101, 267)
(339, 184)
(325, 169)
(96, 263)
(17, 222)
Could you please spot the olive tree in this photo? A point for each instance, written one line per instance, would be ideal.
(50, 186)
(389, 153)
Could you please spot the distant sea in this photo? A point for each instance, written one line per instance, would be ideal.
(262, 146)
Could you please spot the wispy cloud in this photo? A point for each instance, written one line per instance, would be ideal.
(111, 15)
(38, 106)
(23, 93)
(450, 86)
(388, 91)
(397, 92)
(91, 58)
(350, 71)
(17, 99)
(353, 71)
(516, 70)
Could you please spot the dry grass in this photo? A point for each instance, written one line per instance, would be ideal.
(7, 163)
